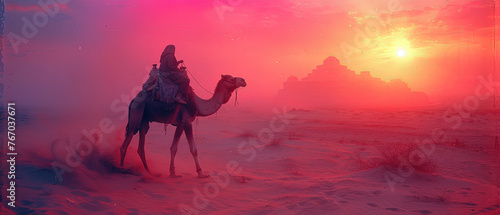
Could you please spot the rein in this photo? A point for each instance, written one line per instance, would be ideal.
(184, 65)
(231, 82)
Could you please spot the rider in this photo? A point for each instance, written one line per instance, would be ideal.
(169, 68)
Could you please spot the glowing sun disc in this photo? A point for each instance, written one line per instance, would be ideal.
(401, 53)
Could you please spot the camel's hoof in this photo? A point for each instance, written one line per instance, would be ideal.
(201, 175)
(175, 176)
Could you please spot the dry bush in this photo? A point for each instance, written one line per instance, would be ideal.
(398, 154)
(246, 134)
(368, 164)
(277, 139)
(280, 138)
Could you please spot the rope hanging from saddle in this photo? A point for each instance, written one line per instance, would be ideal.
(165, 124)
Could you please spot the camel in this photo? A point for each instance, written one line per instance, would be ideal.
(178, 115)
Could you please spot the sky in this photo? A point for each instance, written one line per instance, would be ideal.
(89, 53)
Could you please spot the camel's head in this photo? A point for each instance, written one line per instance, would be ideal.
(233, 83)
(228, 84)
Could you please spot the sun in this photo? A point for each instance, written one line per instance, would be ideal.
(401, 53)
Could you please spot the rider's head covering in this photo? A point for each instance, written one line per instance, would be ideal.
(170, 49)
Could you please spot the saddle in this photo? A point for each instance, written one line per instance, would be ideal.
(164, 89)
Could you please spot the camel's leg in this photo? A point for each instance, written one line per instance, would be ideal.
(173, 150)
(123, 149)
(142, 141)
(189, 134)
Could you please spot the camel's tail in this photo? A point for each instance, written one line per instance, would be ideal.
(128, 129)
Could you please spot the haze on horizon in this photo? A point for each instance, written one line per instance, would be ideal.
(92, 52)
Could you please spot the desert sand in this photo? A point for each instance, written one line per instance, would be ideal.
(325, 161)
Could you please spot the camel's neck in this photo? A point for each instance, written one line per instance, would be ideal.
(212, 105)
